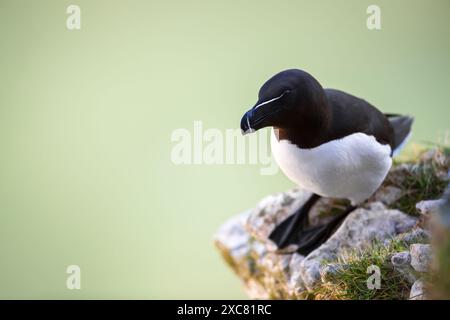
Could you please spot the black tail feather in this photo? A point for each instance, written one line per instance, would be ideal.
(402, 128)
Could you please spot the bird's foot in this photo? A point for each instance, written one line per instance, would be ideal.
(306, 238)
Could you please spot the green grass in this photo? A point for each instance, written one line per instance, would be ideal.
(351, 282)
(421, 183)
(424, 180)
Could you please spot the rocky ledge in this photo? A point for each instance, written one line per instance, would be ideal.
(389, 234)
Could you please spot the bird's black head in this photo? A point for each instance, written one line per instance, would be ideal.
(282, 101)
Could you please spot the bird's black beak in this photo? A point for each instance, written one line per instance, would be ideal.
(246, 123)
(260, 116)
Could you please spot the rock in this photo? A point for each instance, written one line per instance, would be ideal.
(236, 247)
(269, 274)
(387, 195)
(274, 274)
(233, 239)
(274, 209)
(271, 211)
(420, 256)
(402, 263)
(295, 283)
(397, 175)
(418, 291)
(358, 231)
(401, 259)
(429, 206)
(414, 236)
(266, 275)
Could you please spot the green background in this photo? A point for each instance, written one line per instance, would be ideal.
(86, 118)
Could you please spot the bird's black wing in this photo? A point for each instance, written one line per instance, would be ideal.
(351, 115)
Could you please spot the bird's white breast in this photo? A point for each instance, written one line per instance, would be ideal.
(352, 167)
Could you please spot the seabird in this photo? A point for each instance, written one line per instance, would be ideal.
(326, 141)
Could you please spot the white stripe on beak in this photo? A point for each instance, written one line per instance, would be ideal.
(269, 101)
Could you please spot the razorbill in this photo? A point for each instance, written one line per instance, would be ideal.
(328, 142)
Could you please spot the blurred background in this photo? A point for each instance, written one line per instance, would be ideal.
(86, 118)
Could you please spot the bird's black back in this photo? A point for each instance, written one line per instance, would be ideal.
(350, 114)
